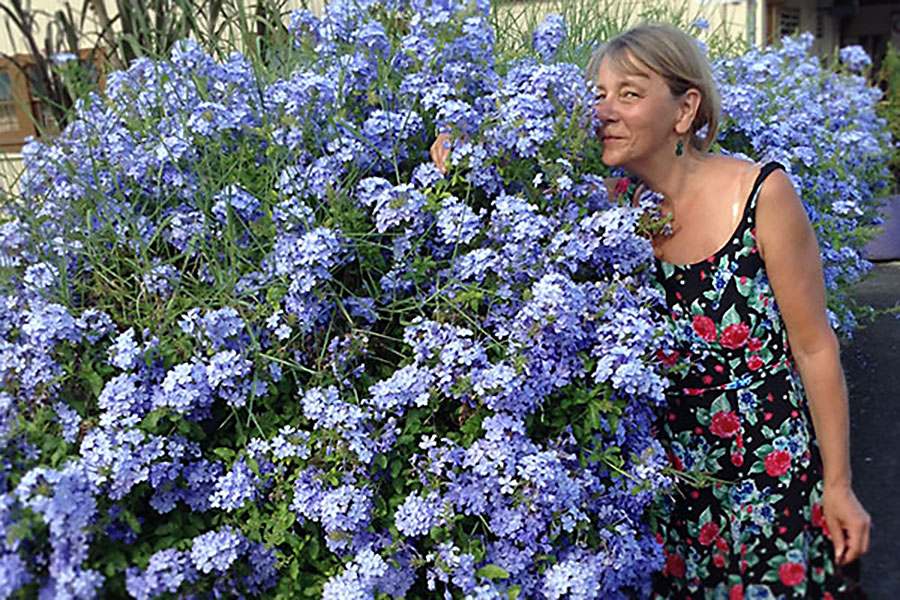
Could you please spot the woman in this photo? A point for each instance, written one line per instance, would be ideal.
(762, 405)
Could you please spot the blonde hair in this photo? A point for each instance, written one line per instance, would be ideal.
(674, 56)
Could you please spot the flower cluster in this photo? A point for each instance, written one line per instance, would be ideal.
(253, 342)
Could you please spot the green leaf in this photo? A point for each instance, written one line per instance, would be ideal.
(113, 562)
(132, 521)
(731, 317)
(151, 420)
(492, 572)
(225, 454)
(93, 380)
(703, 417)
(705, 516)
(514, 592)
(720, 404)
(744, 285)
(313, 548)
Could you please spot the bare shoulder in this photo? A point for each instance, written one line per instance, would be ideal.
(732, 164)
(780, 214)
(724, 171)
(777, 193)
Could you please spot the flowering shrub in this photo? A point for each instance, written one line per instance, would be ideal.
(254, 344)
(782, 104)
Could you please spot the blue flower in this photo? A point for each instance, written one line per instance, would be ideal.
(855, 57)
(234, 489)
(549, 36)
(418, 514)
(166, 571)
(70, 419)
(216, 551)
(242, 204)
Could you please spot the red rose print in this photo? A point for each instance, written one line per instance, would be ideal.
(754, 363)
(706, 379)
(725, 424)
(737, 459)
(674, 566)
(827, 596)
(721, 544)
(818, 515)
(736, 592)
(667, 359)
(719, 560)
(675, 461)
(777, 463)
(792, 573)
(708, 534)
(735, 336)
(705, 327)
(754, 344)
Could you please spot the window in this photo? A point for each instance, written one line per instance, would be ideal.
(22, 113)
(789, 21)
(8, 121)
(15, 119)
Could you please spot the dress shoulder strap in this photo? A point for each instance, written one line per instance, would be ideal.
(763, 173)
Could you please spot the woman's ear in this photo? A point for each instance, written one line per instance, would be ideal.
(688, 105)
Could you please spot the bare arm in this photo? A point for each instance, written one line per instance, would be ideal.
(788, 246)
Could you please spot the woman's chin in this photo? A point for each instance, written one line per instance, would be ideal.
(610, 159)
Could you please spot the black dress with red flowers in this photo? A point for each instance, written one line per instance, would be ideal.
(737, 417)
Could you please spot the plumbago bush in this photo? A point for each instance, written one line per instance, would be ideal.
(782, 104)
(255, 345)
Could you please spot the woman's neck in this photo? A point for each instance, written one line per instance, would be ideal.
(671, 177)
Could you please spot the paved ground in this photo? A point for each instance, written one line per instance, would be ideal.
(872, 364)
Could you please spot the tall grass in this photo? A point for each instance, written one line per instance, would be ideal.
(591, 22)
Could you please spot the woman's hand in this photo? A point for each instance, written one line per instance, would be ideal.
(847, 521)
(440, 151)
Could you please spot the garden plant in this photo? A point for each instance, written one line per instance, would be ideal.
(256, 345)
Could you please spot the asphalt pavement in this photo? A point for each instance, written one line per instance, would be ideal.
(871, 362)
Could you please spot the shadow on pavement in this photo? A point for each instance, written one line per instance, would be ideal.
(872, 364)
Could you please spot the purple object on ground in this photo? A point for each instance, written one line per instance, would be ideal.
(886, 246)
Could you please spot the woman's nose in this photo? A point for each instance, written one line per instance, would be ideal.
(604, 110)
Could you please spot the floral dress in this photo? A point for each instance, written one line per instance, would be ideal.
(738, 415)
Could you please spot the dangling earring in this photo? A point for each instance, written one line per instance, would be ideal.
(679, 148)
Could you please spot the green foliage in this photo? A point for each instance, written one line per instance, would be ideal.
(591, 22)
(889, 107)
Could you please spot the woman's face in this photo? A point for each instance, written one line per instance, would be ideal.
(637, 115)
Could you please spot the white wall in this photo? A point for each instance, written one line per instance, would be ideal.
(10, 167)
